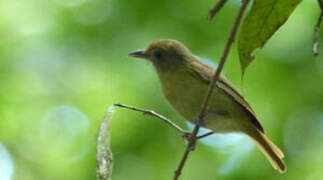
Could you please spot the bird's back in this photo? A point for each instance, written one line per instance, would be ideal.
(226, 103)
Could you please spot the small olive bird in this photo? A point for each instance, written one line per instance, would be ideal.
(185, 79)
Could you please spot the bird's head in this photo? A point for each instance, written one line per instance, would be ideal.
(165, 55)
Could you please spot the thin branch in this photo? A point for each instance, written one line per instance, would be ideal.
(189, 148)
(317, 30)
(205, 135)
(199, 118)
(154, 114)
(216, 8)
(223, 59)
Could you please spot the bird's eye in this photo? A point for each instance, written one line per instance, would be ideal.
(158, 54)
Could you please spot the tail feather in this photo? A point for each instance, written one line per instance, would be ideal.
(270, 150)
(274, 147)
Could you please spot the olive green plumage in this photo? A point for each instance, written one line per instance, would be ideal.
(185, 80)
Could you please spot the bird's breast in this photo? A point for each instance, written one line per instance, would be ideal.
(184, 93)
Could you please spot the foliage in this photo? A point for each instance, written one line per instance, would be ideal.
(263, 20)
(62, 62)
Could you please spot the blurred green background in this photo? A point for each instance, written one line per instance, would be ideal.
(64, 62)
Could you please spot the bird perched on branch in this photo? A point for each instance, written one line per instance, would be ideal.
(185, 80)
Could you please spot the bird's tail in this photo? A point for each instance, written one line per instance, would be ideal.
(270, 150)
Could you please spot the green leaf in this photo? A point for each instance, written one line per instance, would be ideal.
(263, 20)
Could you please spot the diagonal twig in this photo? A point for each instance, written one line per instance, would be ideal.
(216, 8)
(199, 118)
(154, 114)
(317, 29)
(103, 152)
(205, 135)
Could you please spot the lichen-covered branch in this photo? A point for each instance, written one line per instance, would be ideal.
(103, 152)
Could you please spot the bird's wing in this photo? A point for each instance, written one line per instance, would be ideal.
(205, 73)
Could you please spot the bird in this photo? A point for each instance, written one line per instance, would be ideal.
(185, 80)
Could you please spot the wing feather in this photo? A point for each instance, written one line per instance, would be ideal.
(205, 72)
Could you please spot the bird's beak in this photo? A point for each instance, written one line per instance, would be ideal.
(139, 54)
